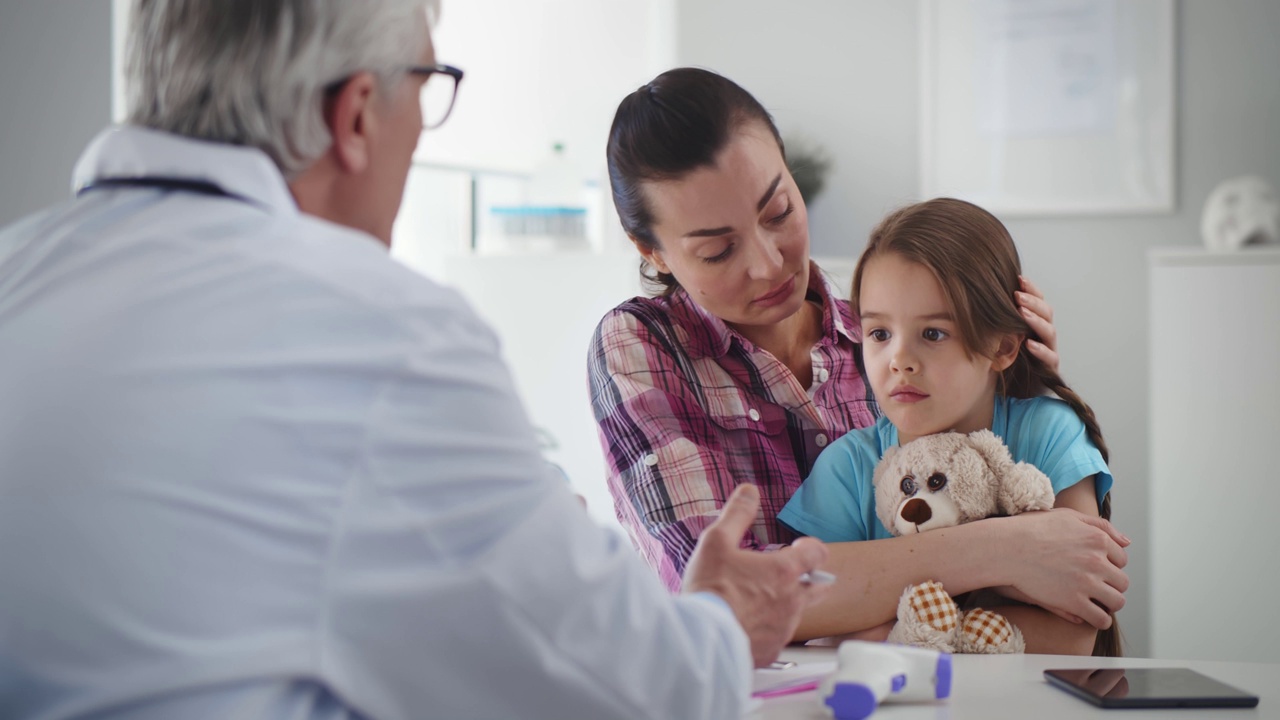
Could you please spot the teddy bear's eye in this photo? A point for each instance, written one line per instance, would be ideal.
(909, 485)
(937, 481)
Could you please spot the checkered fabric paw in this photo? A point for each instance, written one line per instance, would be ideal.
(934, 607)
(983, 628)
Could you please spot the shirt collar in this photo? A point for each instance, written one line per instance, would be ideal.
(709, 336)
(837, 315)
(130, 151)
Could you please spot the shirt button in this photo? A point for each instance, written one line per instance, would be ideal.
(650, 459)
(754, 414)
(823, 375)
(821, 439)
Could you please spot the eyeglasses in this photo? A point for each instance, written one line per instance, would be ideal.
(439, 90)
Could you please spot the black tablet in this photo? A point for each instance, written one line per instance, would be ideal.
(1149, 688)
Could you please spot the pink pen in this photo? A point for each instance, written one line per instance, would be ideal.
(799, 685)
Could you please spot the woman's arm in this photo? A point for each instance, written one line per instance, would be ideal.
(1046, 632)
(1060, 559)
(665, 459)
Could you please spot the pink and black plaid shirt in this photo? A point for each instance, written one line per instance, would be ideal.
(687, 409)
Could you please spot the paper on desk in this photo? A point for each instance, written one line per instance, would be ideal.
(766, 679)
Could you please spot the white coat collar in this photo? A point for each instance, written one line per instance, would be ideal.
(131, 151)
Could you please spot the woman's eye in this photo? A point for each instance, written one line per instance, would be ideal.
(782, 216)
(879, 335)
(934, 334)
(721, 256)
(908, 485)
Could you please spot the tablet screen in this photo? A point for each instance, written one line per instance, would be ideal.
(1149, 687)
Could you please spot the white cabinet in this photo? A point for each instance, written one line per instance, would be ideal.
(1215, 469)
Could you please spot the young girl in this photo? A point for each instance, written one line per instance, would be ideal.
(943, 350)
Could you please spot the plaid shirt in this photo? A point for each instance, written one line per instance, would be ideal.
(687, 408)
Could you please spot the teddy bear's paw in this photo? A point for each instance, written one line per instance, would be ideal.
(988, 633)
(922, 636)
(927, 617)
(930, 604)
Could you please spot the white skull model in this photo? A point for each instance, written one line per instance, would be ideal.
(1241, 211)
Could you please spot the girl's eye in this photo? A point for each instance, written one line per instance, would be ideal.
(934, 334)
(878, 335)
(722, 256)
(782, 216)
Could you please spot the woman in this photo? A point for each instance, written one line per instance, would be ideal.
(747, 365)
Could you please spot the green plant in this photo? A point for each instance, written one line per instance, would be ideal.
(809, 164)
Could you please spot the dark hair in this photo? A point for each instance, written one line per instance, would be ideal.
(973, 257)
(676, 123)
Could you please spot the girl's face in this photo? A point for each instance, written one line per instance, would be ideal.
(735, 235)
(923, 379)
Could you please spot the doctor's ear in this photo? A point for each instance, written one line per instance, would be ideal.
(348, 114)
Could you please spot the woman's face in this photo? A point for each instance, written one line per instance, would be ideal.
(735, 235)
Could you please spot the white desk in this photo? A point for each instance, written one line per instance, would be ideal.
(993, 687)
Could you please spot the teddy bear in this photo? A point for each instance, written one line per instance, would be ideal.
(942, 480)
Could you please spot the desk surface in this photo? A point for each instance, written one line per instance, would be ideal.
(991, 687)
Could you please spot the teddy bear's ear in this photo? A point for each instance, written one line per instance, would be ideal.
(889, 454)
(887, 491)
(993, 451)
(1021, 486)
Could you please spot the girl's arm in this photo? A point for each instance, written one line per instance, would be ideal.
(1060, 559)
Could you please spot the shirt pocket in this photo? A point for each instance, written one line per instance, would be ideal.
(752, 420)
(756, 445)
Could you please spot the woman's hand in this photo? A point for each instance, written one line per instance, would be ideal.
(1039, 315)
(1069, 563)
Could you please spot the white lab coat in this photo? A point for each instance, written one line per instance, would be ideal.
(251, 467)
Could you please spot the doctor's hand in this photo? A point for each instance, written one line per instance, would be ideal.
(764, 590)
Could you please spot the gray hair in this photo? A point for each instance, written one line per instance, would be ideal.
(255, 72)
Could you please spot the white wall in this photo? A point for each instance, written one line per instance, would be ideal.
(550, 70)
(55, 84)
(846, 70)
(541, 72)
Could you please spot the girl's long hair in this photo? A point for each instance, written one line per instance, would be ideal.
(973, 257)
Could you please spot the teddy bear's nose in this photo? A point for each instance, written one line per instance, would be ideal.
(916, 511)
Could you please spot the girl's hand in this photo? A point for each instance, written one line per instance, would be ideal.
(1039, 315)
(1069, 563)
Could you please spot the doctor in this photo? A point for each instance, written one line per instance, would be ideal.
(252, 468)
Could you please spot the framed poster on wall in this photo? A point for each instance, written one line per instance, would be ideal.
(1049, 107)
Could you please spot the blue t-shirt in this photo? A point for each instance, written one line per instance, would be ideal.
(837, 501)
